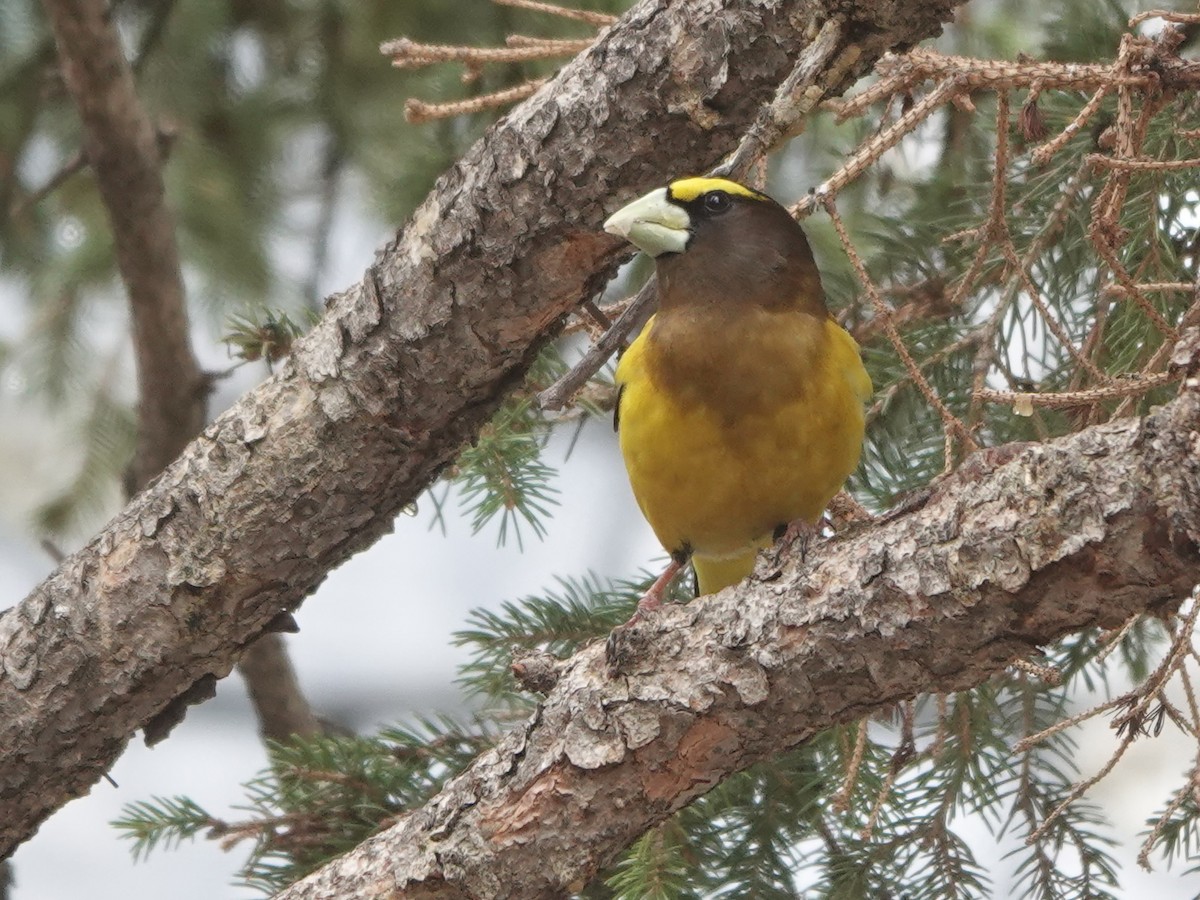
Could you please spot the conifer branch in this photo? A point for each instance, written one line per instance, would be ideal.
(1133, 386)
(316, 463)
(418, 111)
(123, 150)
(1134, 721)
(766, 665)
(126, 155)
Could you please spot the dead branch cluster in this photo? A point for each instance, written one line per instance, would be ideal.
(409, 54)
(1144, 77)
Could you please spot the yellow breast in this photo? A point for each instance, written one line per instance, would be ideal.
(732, 426)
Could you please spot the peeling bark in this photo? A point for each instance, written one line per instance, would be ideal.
(1002, 558)
(401, 372)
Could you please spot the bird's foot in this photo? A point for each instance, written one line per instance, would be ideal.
(795, 537)
(653, 598)
(617, 646)
(797, 534)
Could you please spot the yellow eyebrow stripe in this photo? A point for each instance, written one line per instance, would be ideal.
(685, 190)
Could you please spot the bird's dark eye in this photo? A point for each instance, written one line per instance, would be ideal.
(716, 201)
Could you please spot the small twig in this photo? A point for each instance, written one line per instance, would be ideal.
(1141, 163)
(610, 312)
(939, 739)
(1027, 743)
(77, 163)
(1100, 240)
(165, 136)
(871, 150)
(552, 46)
(1152, 287)
(1149, 691)
(886, 88)
(1042, 154)
(596, 313)
(598, 19)
(1166, 348)
(52, 550)
(417, 111)
(996, 74)
(885, 791)
(841, 800)
(1113, 640)
(1190, 695)
(1082, 788)
(1169, 15)
(1056, 327)
(949, 420)
(636, 313)
(1115, 390)
(1130, 139)
(1189, 788)
(905, 751)
(410, 54)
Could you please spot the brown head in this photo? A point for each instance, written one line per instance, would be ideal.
(716, 241)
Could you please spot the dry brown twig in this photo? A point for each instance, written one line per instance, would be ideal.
(410, 54)
(951, 422)
(596, 19)
(418, 111)
(841, 800)
(1132, 723)
(1025, 401)
(1142, 65)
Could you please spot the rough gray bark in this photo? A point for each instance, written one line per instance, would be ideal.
(1017, 548)
(404, 367)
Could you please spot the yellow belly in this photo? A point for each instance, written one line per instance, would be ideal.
(714, 471)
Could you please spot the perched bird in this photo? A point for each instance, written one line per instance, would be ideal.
(740, 405)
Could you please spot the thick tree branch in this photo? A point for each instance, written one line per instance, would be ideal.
(405, 366)
(1020, 546)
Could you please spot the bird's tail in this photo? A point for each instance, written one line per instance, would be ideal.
(716, 572)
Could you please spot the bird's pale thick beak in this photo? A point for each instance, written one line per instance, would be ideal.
(652, 223)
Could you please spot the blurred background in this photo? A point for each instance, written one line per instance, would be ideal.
(289, 163)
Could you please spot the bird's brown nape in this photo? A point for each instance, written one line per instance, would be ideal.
(753, 254)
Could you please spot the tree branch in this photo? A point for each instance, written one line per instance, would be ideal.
(279, 704)
(172, 396)
(382, 394)
(1022, 545)
(120, 143)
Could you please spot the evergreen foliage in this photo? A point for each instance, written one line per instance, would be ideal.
(250, 95)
